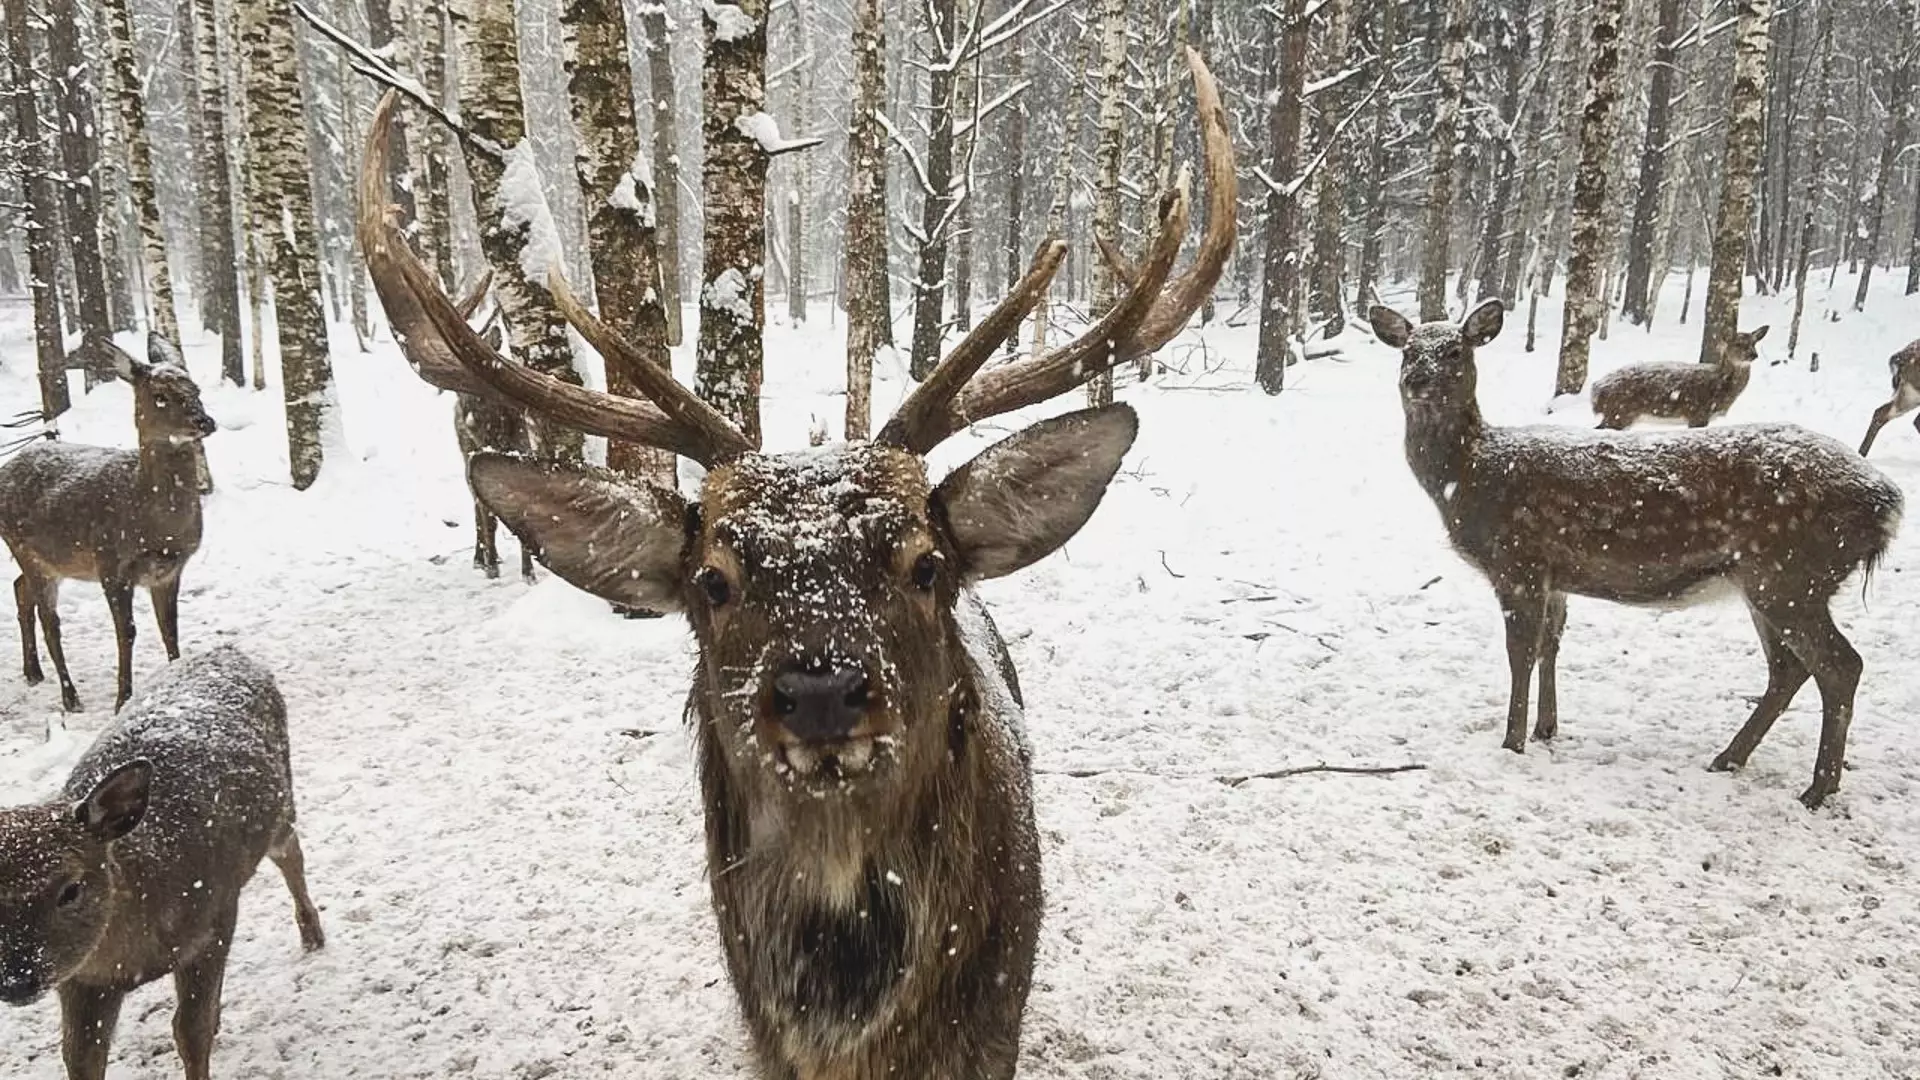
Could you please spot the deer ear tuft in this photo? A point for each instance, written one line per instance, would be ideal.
(1391, 327)
(1483, 323)
(596, 530)
(1024, 496)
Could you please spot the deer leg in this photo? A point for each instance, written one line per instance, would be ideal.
(88, 1015)
(1881, 416)
(196, 987)
(120, 606)
(1548, 724)
(486, 556)
(1785, 676)
(1526, 616)
(24, 603)
(49, 605)
(526, 564)
(1836, 670)
(166, 612)
(292, 861)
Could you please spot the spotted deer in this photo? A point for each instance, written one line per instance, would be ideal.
(135, 870)
(1782, 514)
(1667, 390)
(1904, 367)
(124, 518)
(483, 422)
(871, 847)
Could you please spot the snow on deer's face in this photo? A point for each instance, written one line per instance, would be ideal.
(1436, 358)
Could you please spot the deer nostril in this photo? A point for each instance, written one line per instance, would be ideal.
(783, 702)
(858, 695)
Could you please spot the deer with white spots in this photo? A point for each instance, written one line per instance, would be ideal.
(1904, 367)
(1666, 390)
(871, 846)
(1781, 514)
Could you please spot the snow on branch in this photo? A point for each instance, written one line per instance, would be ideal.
(765, 130)
(962, 129)
(729, 22)
(1291, 188)
(369, 63)
(906, 148)
(1009, 25)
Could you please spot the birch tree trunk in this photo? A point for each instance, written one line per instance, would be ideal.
(619, 200)
(1720, 317)
(1583, 300)
(734, 193)
(966, 115)
(1899, 119)
(30, 162)
(1379, 156)
(78, 129)
(866, 239)
(1517, 43)
(1280, 290)
(1653, 167)
(1062, 183)
(222, 301)
(658, 47)
(509, 195)
(131, 96)
(433, 207)
(275, 110)
(1329, 239)
(1816, 168)
(1016, 177)
(1106, 177)
(936, 205)
(1437, 231)
(398, 51)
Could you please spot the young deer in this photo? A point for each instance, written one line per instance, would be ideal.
(136, 870)
(871, 846)
(1904, 366)
(483, 422)
(1695, 393)
(1783, 514)
(123, 518)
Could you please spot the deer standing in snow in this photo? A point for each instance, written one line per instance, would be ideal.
(136, 870)
(1666, 390)
(1904, 366)
(871, 846)
(1782, 514)
(123, 518)
(483, 422)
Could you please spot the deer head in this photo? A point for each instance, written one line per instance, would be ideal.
(1437, 371)
(824, 585)
(166, 401)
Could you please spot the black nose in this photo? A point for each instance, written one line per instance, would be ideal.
(820, 701)
(206, 424)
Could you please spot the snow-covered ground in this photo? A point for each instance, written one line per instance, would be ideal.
(503, 829)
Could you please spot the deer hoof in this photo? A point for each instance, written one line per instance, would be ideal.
(1814, 796)
(69, 700)
(1723, 763)
(1518, 746)
(34, 675)
(1545, 732)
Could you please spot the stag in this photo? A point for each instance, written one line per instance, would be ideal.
(871, 849)
(1904, 367)
(123, 518)
(1782, 514)
(1666, 390)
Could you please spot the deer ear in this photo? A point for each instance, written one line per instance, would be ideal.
(125, 364)
(117, 803)
(1483, 323)
(1753, 336)
(161, 351)
(1391, 327)
(1022, 497)
(599, 531)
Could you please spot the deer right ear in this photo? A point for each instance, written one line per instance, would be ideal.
(1391, 327)
(1483, 323)
(600, 532)
(117, 803)
(161, 351)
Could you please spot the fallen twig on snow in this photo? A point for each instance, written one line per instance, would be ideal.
(1237, 779)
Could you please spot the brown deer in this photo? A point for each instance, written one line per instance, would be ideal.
(483, 422)
(1780, 513)
(123, 518)
(1904, 366)
(1695, 393)
(136, 871)
(871, 846)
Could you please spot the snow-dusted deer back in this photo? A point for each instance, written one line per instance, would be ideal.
(1695, 393)
(1782, 514)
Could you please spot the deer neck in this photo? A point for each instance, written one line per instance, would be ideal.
(168, 471)
(1439, 442)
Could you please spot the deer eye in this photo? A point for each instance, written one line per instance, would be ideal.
(926, 570)
(714, 584)
(163, 401)
(68, 895)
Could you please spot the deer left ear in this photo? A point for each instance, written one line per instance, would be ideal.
(1483, 323)
(1023, 497)
(1753, 336)
(117, 803)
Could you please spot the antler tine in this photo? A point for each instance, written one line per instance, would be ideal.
(915, 424)
(1147, 317)
(447, 352)
(470, 303)
(678, 402)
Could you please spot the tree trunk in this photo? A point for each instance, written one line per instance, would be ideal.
(1106, 177)
(620, 231)
(666, 157)
(1532, 190)
(966, 112)
(1016, 148)
(1502, 164)
(30, 161)
(131, 96)
(509, 195)
(1437, 231)
(1899, 119)
(1379, 157)
(434, 206)
(79, 157)
(936, 204)
(222, 302)
(866, 239)
(275, 110)
(734, 192)
(1721, 316)
(1062, 188)
(1640, 284)
(399, 53)
(1816, 168)
(1280, 289)
(1329, 239)
(1583, 299)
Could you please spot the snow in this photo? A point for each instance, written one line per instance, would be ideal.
(732, 295)
(729, 22)
(765, 130)
(502, 824)
(523, 203)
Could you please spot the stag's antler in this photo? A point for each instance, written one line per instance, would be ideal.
(448, 353)
(1147, 317)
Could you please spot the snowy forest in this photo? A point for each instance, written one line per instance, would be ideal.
(775, 343)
